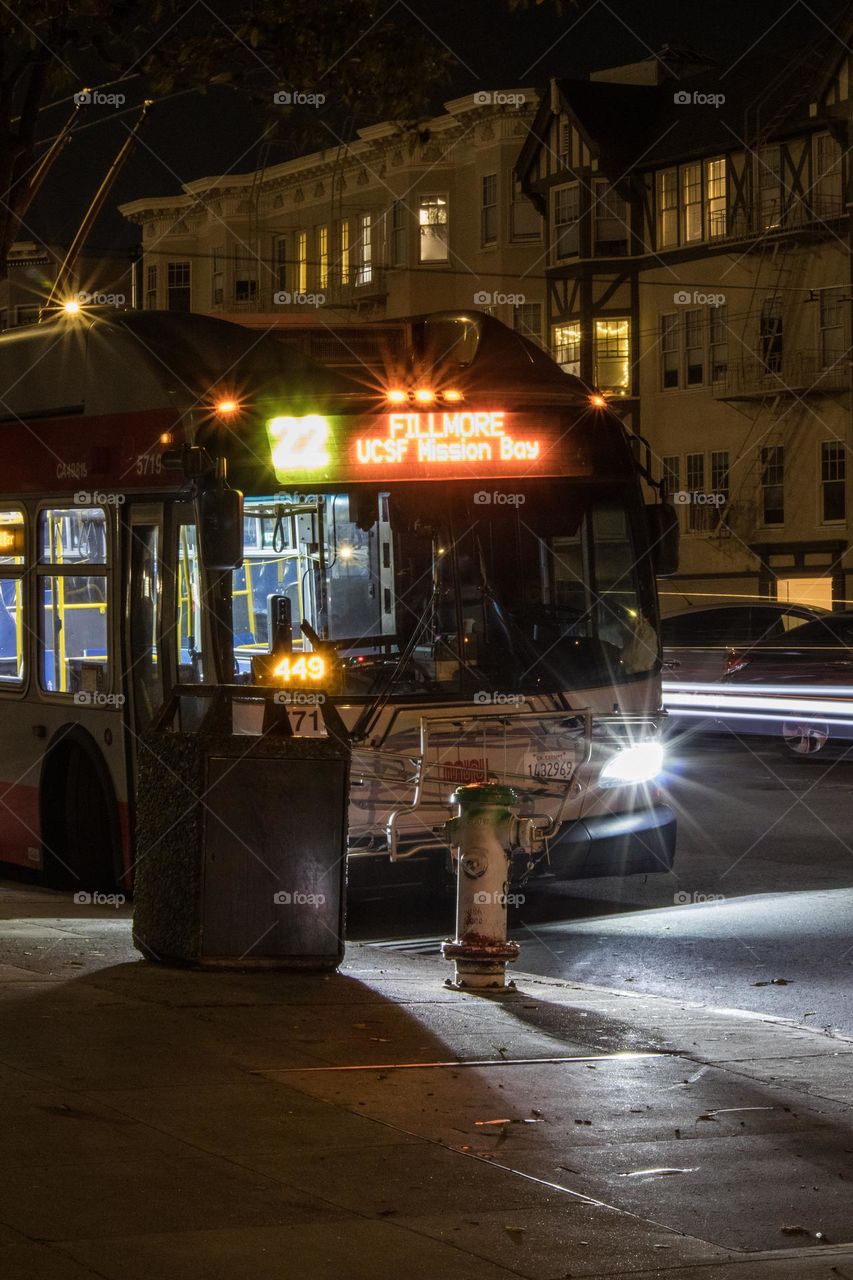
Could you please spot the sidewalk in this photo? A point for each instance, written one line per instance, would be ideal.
(371, 1124)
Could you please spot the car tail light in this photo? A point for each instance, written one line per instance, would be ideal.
(735, 662)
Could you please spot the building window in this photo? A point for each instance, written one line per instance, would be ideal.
(566, 343)
(525, 221)
(398, 234)
(301, 275)
(527, 320)
(566, 215)
(715, 198)
(832, 344)
(281, 280)
(344, 251)
(217, 278)
(178, 280)
(564, 143)
(433, 227)
(720, 472)
(694, 347)
(150, 289)
(610, 220)
(667, 208)
(669, 344)
(364, 271)
(671, 468)
(827, 186)
(322, 257)
(768, 183)
(611, 353)
(770, 335)
(489, 209)
(245, 290)
(696, 520)
(691, 203)
(718, 345)
(773, 484)
(833, 476)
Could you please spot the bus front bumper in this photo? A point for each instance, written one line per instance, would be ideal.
(615, 844)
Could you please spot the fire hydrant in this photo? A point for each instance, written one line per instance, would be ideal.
(484, 830)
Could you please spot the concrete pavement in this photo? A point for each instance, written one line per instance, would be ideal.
(368, 1124)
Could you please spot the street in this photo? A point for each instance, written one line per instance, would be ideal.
(756, 915)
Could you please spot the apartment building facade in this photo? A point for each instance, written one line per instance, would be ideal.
(699, 270)
(398, 222)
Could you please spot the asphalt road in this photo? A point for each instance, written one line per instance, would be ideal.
(757, 915)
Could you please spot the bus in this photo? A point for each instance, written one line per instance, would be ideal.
(444, 535)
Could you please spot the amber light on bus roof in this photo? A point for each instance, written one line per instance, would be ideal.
(226, 407)
(598, 401)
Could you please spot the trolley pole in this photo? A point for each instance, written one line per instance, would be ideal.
(483, 833)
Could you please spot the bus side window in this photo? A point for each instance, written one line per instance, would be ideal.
(12, 543)
(72, 580)
(190, 663)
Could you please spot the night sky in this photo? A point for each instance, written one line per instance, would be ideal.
(194, 135)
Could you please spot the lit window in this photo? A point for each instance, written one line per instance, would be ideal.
(322, 257)
(667, 208)
(612, 355)
(433, 226)
(566, 344)
(715, 192)
(343, 250)
(302, 262)
(365, 247)
(691, 202)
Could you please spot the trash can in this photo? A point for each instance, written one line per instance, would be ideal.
(241, 830)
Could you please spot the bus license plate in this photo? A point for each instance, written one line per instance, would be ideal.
(559, 765)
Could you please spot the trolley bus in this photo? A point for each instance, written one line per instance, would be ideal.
(451, 541)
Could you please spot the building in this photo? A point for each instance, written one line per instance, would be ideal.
(398, 222)
(32, 269)
(699, 270)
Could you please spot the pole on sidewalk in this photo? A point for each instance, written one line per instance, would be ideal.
(482, 832)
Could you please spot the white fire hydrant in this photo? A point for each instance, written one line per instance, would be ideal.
(484, 831)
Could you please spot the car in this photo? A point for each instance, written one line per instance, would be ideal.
(696, 642)
(799, 685)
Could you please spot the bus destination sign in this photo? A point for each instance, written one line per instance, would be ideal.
(438, 444)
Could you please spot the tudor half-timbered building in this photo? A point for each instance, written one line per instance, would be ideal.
(699, 272)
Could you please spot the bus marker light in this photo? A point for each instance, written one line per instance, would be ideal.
(396, 396)
(424, 396)
(598, 401)
(298, 444)
(452, 397)
(226, 407)
(166, 438)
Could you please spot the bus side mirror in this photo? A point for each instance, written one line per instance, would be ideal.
(664, 534)
(220, 528)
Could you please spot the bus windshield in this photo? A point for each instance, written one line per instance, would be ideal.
(443, 590)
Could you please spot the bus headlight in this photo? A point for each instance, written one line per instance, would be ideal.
(633, 765)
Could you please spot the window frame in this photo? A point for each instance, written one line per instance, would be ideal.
(489, 217)
(572, 226)
(765, 464)
(440, 201)
(172, 288)
(840, 460)
(45, 568)
(15, 686)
